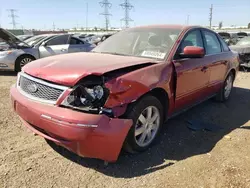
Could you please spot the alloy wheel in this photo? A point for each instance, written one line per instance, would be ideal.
(147, 126)
(228, 86)
(25, 61)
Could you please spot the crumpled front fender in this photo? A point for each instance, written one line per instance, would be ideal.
(124, 91)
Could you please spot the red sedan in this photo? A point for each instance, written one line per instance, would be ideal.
(120, 94)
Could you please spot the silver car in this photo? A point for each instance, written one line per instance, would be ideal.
(14, 53)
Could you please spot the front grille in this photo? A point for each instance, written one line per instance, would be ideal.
(245, 57)
(38, 90)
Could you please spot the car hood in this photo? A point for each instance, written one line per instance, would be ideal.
(240, 49)
(68, 69)
(9, 38)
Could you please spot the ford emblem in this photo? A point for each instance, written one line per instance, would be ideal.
(32, 88)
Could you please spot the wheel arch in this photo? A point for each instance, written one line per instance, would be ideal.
(21, 56)
(161, 95)
(233, 71)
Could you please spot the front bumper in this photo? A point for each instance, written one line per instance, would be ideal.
(103, 139)
(245, 60)
(7, 63)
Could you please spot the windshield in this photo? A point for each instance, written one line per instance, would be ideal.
(244, 41)
(33, 40)
(152, 43)
(23, 37)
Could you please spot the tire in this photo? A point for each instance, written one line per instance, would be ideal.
(132, 143)
(226, 90)
(21, 61)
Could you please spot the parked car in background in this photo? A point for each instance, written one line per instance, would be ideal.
(243, 48)
(121, 93)
(102, 38)
(24, 37)
(229, 38)
(37, 38)
(17, 53)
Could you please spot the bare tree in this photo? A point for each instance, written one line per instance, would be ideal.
(248, 26)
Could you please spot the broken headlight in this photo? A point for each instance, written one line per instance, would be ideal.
(86, 97)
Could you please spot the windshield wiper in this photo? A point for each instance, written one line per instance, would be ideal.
(112, 53)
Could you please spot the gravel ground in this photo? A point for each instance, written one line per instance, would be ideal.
(182, 158)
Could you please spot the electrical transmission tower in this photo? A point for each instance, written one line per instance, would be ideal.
(13, 17)
(210, 16)
(127, 7)
(107, 5)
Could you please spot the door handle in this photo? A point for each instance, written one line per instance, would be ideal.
(204, 69)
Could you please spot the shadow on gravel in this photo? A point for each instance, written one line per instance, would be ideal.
(8, 73)
(177, 141)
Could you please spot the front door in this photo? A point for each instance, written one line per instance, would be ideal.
(55, 46)
(192, 73)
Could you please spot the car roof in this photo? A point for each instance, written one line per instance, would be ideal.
(170, 26)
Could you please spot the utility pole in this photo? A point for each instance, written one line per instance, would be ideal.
(13, 17)
(188, 19)
(211, 16)
(87, 12)
(54, 26)
(0, 16)
(107, 5)
(127, 7)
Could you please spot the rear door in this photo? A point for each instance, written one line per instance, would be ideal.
(55, 46)
(192, 73)
(77, 45)
(217, 54)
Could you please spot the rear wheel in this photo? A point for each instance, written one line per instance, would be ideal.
(147, 115)
(21, 61)
(225, 91)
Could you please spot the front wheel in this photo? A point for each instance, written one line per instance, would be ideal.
(21, 61)
(225, 91)
(147, 115)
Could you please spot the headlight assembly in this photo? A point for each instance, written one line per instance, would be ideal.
(86, 97)
(5, 53)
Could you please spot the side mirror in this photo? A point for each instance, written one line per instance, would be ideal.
(44, 44)
(192, 52)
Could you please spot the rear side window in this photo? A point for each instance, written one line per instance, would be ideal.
(212, 43)
(75, 41)
(60, 40)
(224, 45)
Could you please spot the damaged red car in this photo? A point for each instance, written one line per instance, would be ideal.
(119, 95)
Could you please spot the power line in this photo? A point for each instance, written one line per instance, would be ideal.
(13, 17)
(127, 7)
(210, 16)
(107, 5)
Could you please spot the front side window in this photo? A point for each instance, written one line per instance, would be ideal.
(152, 43)
(193, 38)
(212, 43)
(59, 40)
